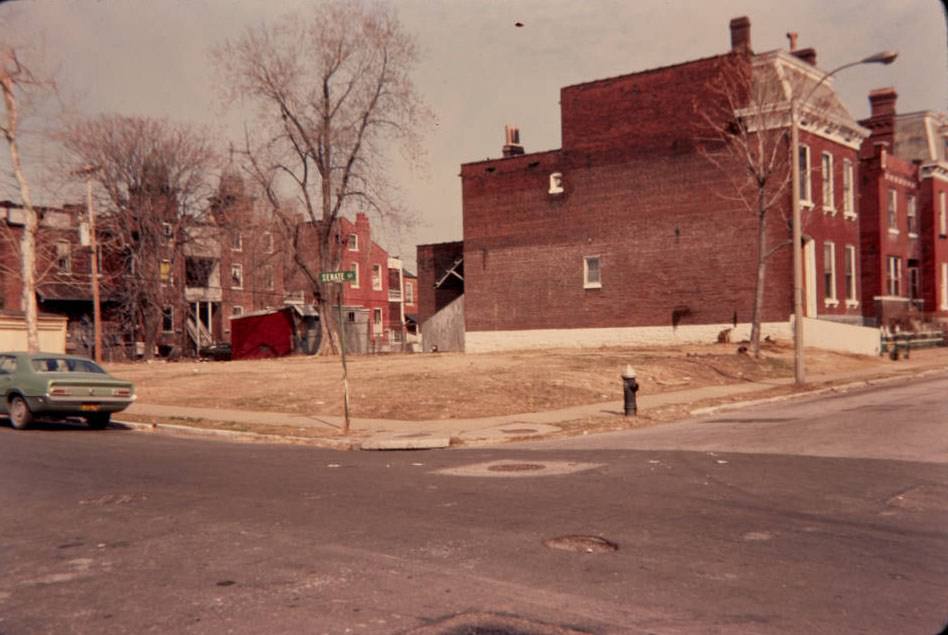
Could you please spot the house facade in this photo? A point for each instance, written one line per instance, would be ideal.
(629, 234)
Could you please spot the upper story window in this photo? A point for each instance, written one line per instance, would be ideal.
(353, 242)
(806, 187)
(64, 256)
(355, 269)
(236, 276)
(167, 231)
(912, 216)
(828, 187)
(891, 210)
(849, 202)
(266, 276)
(942, 216)
(266, 242)
(409, 293)
(377, 277)
(592, 272)
(167, 276)
(236, 242)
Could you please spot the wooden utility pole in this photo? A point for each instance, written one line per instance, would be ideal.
(94, 266)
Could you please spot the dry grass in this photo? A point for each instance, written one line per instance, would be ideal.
(453, 385)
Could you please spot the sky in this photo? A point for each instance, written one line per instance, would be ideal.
(478, 71)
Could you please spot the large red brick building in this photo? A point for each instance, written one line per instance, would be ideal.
(626, 233)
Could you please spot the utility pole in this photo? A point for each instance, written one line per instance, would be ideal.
(88, 171)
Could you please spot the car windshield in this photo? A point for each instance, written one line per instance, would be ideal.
(65, 365)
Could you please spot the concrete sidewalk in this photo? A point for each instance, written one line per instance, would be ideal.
(383, 434)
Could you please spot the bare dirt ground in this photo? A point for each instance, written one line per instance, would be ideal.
(454, 385)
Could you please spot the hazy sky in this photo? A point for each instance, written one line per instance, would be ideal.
(478, 70)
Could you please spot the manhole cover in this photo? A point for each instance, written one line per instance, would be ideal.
(581, 544)
(515, 467)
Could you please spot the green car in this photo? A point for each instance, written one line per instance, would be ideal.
(51, 385)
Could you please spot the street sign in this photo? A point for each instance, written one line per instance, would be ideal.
(337, 276)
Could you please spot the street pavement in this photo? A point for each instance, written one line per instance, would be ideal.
(825, 515)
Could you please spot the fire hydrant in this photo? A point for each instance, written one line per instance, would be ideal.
(630, 387)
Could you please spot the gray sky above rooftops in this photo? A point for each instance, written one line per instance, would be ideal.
(478, 71)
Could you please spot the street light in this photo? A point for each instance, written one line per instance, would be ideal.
(87, 171)
(799, 374)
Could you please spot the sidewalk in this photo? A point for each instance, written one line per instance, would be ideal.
(385, 434)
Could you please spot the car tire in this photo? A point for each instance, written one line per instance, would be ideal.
(98, 421)
(19, 412)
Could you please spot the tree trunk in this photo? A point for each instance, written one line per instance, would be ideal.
(761, 271)
(28, 240)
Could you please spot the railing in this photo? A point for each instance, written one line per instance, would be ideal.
(199, 333)
(892, 343)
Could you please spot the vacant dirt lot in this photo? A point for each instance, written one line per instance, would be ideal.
(450, 385)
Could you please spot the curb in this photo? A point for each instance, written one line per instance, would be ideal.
(333, 444)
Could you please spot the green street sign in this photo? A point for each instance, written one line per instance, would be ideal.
(337, 276)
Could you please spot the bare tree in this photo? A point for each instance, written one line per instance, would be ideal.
(154, 182)
(333, 92)
(745, 128)
(15, 79)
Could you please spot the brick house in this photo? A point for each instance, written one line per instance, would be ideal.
(907, 168)
(625, 235)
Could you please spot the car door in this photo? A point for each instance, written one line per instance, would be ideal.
(7, 368)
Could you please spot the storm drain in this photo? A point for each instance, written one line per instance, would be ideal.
(582, 544)
(518, 469)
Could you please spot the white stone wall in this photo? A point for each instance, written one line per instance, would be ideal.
(52, 334)
(845, 338)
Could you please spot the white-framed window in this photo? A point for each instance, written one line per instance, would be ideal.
(592, 272)
(236, 310)
(64, 256)
(806, 187)
(236, 276)
(167, 319)
(352, 242)
(911, 215)
(892, 210)
(165, 272)
(852, 298)
(355, 269)
(849, 199)
(409, 293)
(377, 321)
(828, 187)
(829, 273)
(376, 277)
(266, 242)
(942, 216)
(236, 242)
(893, 275)
(944, 286)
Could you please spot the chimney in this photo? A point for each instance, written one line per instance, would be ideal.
(741, 34)
(792, 36)
(882, 102)
(512, 145)
(808, 55)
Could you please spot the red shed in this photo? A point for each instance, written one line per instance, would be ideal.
(263, 334)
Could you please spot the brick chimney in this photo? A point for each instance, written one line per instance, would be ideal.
(741, 34)
(881, 121)
(792, 36)
(808, 55)
(512, 145)
(882, 102)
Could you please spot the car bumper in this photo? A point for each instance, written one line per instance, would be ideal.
(75, 407)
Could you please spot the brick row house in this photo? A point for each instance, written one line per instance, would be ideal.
(904, 230)
(623, 235)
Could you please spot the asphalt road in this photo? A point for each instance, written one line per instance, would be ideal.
(825, 516)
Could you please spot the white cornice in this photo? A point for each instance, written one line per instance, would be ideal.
(937, 170)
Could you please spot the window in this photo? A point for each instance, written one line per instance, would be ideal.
(409, 293)
(592, 272)
(912, 268)
(167, 231)
(944, 286)
(167, 277)
(805, 185)
(355, 269)
(849, 206)
(893, 274)
(266, 242)
(7, 364)
(850, 272)
(377, 277)
(942, 213)
(236, 242)
(827, 164)
(912, 216)
(351, 316)
(891, 209)
(266, 277)
(829, 272)
(236, 310)
(167, 319)
(63, 256)
(353, 242)
(377, 321)
(236, 277)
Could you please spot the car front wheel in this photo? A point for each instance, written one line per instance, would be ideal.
(20, 415)
(98, 421)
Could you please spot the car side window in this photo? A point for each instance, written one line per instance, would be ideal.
(7, 364)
